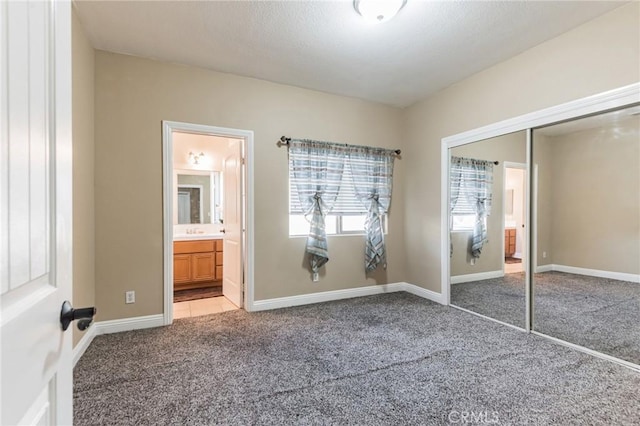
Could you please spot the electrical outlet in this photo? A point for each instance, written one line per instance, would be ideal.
(544, 254)
(316, 277)
(130, 297)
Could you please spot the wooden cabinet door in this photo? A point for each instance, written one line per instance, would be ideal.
(203, 266)
(181, 268)
(509, 242)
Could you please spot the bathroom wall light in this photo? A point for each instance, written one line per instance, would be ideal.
(195, 158)
(378, 10)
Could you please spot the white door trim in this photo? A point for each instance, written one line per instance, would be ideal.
(168, 127)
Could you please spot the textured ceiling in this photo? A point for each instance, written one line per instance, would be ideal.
(327, 46)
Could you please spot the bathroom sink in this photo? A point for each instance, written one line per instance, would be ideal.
(190, 237)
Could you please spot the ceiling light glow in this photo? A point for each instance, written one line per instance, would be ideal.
(378, 10)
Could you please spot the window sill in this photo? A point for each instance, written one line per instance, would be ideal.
(335, 235)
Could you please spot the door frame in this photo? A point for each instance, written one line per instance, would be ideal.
(246, 136)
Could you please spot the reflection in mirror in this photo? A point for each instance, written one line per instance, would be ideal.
(486, 276)
(199, 197)
(586, 287)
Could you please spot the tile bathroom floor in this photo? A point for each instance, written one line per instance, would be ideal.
(512, 268)
(196, 308)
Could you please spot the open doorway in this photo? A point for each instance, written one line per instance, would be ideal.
(205, 233)
(514, 217)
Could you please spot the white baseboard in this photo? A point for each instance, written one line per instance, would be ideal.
(544, 268)
(127, 324)
(517, 255)
(84, 343)
(327, 296)
(458, 279)
(424, 293)
(634, 278)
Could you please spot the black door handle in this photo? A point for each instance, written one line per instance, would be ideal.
(68, 314)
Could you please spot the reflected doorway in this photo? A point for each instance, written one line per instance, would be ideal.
(514, 217)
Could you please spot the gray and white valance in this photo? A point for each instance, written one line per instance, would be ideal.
(341, 179)
(471, 189)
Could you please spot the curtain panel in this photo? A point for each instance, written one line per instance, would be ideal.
(471, 189)
(372, 176)
(341, 179)
(316, 170)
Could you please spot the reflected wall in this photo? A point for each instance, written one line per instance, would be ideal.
(587, 230)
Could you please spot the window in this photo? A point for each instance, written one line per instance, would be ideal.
(348, 214)
(334, 224)
(464, 222)
(352, 213)
(352, 223)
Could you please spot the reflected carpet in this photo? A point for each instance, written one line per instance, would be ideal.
(597, 313)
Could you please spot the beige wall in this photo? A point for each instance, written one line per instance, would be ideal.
(595, 198)
(600, 55)
(83, 171)
(134, 95)
(543, 181)
(512, 148)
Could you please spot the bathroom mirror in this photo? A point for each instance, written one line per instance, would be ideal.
(486, 218)
(586, 188)
(199, 197)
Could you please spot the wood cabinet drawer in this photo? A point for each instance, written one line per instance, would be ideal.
(218, 272)
(219, 258)
(218, 245)
(200, 246)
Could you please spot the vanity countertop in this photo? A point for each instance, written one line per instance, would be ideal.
(192, 237)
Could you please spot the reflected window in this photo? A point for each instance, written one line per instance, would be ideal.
(461, 223)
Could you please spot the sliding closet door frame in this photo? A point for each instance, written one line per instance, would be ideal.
(591, 105)
(528, 274)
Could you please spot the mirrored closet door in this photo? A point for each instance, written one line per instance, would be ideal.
(487, 206)
(586, 192)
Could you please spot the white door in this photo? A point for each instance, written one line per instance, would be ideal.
(232, 216)
(35, 212)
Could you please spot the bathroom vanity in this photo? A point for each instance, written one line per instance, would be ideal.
(197, 263)
(509, 242)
